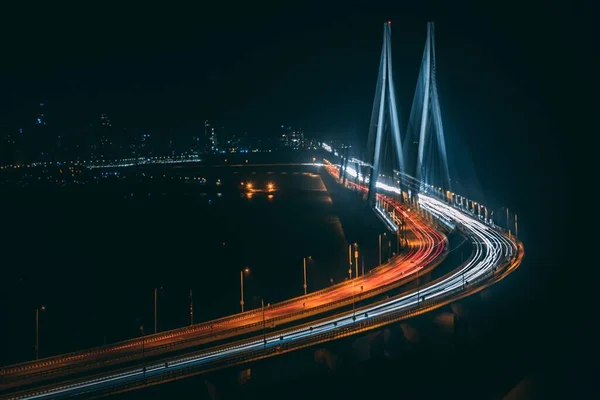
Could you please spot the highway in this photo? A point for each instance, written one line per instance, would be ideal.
(426, 250)
(494, 256)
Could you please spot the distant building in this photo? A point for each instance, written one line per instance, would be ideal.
(291, 138)
(40, 118)
(211, 136)
(104, 121)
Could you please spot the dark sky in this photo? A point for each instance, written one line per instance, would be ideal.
(253, 67)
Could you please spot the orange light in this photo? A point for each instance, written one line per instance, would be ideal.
(270, 196)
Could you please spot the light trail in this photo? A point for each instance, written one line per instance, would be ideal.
(491, 250)
(426, 250)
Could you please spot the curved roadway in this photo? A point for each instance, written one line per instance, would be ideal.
(493, 250)
(426, 248)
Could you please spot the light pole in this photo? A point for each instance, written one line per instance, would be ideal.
(350, 260)
(356, 258)
(245, 270)
(384, 234)
(305, 286)
(37, 330)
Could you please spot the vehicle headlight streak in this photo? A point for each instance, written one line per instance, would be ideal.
(491, 249)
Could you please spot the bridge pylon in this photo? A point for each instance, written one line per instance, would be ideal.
(384, 112)
(425, 125)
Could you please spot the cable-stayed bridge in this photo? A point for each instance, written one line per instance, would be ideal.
(405, 177)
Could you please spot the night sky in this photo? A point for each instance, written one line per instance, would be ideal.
(255, 67)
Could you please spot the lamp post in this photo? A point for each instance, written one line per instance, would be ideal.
(350, 260)
(356, 258)
(37, 330)
(305, 286)
(245, 270)
(384, 234)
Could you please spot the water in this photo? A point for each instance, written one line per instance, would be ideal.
(94, 253)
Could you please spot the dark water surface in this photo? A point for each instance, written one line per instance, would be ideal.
(94, 253)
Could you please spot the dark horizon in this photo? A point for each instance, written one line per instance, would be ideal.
(255, 69)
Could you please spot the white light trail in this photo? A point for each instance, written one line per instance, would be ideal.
(491, 250)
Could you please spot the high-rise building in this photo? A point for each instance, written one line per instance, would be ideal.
(291, 138)
(211, 136)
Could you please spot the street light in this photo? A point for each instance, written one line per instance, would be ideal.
(356, 258)
(37, 330)
(350, 260)
(309, 257)
(381, 234)
(242, 272)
